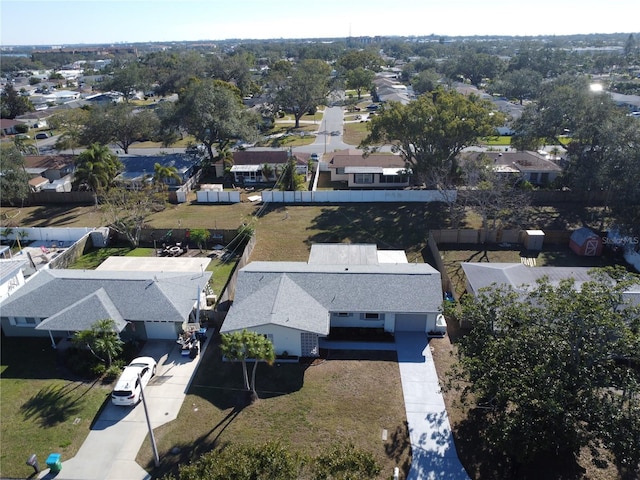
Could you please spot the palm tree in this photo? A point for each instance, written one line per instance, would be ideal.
(240, 346)
(96, 168)
(267, 171)
(102, 340)
(161, 174)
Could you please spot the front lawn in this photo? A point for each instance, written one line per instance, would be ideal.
(43, 409)
(343, 399)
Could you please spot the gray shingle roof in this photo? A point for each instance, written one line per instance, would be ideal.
(311, 291)
(517, 275)
(135, 296)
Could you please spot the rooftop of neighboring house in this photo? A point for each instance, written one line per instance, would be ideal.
(260, 157)
(523, 161)
(356, 158)
(48, 162)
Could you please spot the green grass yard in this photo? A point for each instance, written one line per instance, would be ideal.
(43, 409)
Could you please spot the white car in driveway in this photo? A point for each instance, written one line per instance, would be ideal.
(133, 379)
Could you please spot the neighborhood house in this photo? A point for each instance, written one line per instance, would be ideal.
(143, 304)
(369, 171)
(249, 166)
(295, 304)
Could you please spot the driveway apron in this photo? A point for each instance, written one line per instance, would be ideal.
(109, 451)
(434, 454)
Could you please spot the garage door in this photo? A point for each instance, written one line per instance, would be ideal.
(407, 322)
(161, 330)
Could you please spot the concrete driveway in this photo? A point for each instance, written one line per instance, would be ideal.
(434, 455)
(110, 449)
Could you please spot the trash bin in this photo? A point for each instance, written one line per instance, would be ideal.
(54, 463)
(33, 462)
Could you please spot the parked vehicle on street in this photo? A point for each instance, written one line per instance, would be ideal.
(133, 379)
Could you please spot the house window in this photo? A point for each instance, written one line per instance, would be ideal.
(340, 171)
(371, 316)
(343, 314)
(363, 178)
(24, 321)
(393, 179)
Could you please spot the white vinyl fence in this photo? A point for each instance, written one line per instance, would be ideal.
(358, 196)
(212, 196)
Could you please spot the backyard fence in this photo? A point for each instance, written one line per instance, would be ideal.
(358, 196)
(497, 236)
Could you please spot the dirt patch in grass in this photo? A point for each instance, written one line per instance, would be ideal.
(306, 407)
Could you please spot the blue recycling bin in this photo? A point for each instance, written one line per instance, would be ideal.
(54, 463)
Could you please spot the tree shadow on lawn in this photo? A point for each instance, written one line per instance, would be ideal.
(220, 383)
(481, 461)
(390, 226)
(55, 404)
(52, 215)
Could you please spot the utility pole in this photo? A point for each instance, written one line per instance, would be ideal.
(151, 436)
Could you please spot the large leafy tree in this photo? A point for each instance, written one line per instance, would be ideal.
(127, 79)
(367, 59)
(212, 111)
(12, 104)
(520, 84)
(551, 364)
(102, 340)
(360, 79)
(14, 179)
(430, 132)
(305, 89)
(604, 142)
(70, 124)
(244, 345)
(120, 123)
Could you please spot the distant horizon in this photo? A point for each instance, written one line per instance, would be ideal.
(111, 22)
(3, 47)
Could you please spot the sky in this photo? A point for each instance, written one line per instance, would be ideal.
(64, 22)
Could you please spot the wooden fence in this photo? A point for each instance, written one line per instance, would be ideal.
(479, 236)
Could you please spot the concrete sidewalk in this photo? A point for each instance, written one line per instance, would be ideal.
(434, 454)
(109, 451)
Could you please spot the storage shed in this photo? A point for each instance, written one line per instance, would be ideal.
(533, 239)
(585, 242)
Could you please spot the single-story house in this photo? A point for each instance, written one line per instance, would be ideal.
(140, 168)
(248, 165)
(373, 171)
(144, 304)
(51, 167)
(341, 286)
(522, 278)
(531, 166)
(8, 126)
